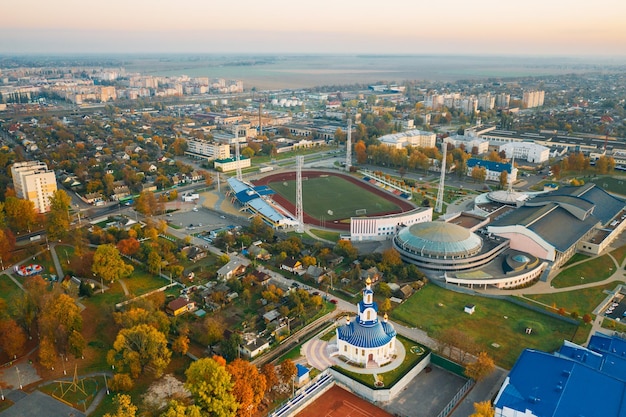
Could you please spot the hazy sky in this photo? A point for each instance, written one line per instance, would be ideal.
(538, 27)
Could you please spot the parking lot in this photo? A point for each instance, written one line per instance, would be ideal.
(616, 308)
(196, 218)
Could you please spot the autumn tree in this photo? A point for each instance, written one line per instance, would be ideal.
(47, 353)
(248, 385)
(124, 407)
(121, 382)
(479, 174)
(7, 244)
(481, 368)
(483, 409)
(58, 320)
(271, 378)
(287, 370)
(360, 151)
(138, 348)
(108, 263)
(137, 315)
(12, 338)
(391, 258)
(386, 305)
(59, 217)
(210, 384)
(20, 214)
(128, 246)
(504, 179)
(148, 204)
(178, 409)
(345, 248)
(180, 345)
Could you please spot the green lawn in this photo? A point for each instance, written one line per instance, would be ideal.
(8, 289)
(619, 254)
(581, 301)
(333, 198)
(611, 184)
(324, 234)
(576, 258)
(595, 270)
(435, 309)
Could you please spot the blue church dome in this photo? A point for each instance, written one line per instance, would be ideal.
(367, 337)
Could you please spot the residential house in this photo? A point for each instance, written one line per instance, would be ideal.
(253, 345)
(261, 278)
(372, 273)
(259, 253)
(233, 268)
(179, 306)
(292, 265)
(316, 273)
(194, 253)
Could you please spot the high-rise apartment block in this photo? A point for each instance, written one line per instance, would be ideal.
(33, 181)
(533, 99)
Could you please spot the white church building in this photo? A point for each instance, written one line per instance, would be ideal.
(367, 340)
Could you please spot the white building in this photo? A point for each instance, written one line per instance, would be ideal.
(469, 143)
(366, 340)
(410, 138)
(385, 227)
(33, 181)
(533, 98)
(207, 149)
(528, 151)
(493, 169)
(230, 164)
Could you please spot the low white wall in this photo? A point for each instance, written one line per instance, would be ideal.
(380, 395)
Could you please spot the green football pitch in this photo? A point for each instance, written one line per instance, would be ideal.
(334, 198)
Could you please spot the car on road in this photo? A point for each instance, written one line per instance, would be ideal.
(333, 301)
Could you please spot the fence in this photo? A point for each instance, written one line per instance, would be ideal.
(457, 398)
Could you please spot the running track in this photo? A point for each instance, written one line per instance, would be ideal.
(291, 176)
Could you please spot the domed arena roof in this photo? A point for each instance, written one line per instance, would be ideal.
(439, 239)
(507, 197)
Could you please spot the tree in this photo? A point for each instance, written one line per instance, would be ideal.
(177, 409)
(108, 264)
(248, 385)
(504, 179)
(124, 407)
(479, 174)
(21, 214)
(483, 409)
(386, 305)
(147, 204)
(211, 386)
(7, 244)
(12, 338)
(481, 368)
(230, 346)
(452, 339)
(360, 151)
(271, 379)
(76, 343)
(47, 353)
(287, 371)
(180, 345)
(59, 216)
(128, 246)
(58, 319)
(121, 382)
(587, 318)
(391, 258)
(138, 348)
(346, 249)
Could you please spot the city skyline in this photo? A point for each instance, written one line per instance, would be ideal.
(557, 28)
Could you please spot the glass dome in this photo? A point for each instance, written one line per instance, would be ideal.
(439, 239)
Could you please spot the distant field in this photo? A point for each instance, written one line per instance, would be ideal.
(612, 184)
(333, 198)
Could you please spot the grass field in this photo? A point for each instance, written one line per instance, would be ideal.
(581, 301)
(8, 289)
(435, 309)
(333, 198)
(595, 270)
(612, 185)
(619, 254)
(325, 234)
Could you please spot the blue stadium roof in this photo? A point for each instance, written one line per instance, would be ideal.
(251, 196)
(489, 165)
(366, 337)
(568, 383)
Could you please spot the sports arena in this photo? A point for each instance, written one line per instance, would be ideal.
(330, 199)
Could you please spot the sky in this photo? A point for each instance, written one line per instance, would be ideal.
(532, 27)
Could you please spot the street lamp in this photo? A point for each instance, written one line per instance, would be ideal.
(19, 379)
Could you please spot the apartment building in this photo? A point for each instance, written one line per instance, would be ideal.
(33, 181)
(199, 148)
(533, 98)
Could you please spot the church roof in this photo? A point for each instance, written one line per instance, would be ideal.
(358, 335)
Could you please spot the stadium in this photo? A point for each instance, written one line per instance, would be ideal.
(329, 199)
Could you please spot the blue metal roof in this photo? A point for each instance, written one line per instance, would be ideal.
(489, 165)
(361, 336)
(302, 370)
(559, 386)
